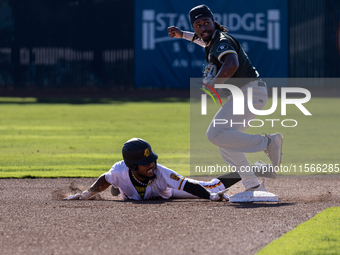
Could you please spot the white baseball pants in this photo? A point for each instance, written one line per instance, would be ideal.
(231, 140)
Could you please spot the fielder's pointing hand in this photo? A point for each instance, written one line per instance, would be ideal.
(175, 32)
(219, 196)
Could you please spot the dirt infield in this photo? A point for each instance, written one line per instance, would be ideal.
(33, 219)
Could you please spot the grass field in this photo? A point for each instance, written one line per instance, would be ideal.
(84, 138)
(319, 235)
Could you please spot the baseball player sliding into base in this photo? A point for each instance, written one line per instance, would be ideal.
(140, 177)
(226, 59)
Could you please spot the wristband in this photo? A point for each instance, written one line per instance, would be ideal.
(187, 35)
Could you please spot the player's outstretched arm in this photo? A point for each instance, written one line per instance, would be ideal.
(98, 186)
(177, 33)
(198, 190)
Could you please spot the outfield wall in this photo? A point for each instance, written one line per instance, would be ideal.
(87, 44)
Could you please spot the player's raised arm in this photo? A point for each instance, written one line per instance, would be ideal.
(178, 33)
(98, 186)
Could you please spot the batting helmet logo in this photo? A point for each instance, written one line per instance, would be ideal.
(146, 152)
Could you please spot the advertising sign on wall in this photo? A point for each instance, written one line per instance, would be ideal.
(160, 61)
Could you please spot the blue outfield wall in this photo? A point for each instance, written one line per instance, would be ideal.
(118, 45)
(261, 28)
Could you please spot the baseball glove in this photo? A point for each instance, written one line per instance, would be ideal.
(209, 73)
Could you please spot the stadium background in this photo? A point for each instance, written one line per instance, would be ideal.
(96, 45)
(88, 49)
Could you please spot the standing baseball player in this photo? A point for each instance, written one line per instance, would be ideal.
(226, 59)
(140, 177)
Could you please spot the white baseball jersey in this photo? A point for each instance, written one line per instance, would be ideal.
(167, 183)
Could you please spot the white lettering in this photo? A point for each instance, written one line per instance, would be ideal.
(289, 120)
(197, 63)
(176, 47)
(244, 22)
(180, 63)
(261, 112)
(162, 24)
(219, 122)
(238, 97)
(272, 121)
(182, 22)
(234, 26)
(248, 22)
(238, 123)
(234, 21)
(259, 17)
(204, 104)
(211, 169)
(251, 121)
(297, 101)
(238, 100)
(171, 17)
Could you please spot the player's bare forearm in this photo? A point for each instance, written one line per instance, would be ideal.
(99, 185)
(228, 68)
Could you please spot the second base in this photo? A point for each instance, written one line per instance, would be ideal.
(253, 196)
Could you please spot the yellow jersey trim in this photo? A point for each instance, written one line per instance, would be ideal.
(180, 184)
(212, 186)
(225, 52)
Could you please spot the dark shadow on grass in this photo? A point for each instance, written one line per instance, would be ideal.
(93, 96)
(28, 177)
(108, 100)
(94, 100)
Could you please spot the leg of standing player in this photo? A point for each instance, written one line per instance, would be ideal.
(231, 140)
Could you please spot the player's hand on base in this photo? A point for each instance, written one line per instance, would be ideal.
(175, 32)
(83, 196)
(219, 195)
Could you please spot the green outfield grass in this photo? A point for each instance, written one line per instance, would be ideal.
(320, 235)
(84, 138)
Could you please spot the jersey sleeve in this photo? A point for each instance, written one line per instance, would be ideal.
(222, 48)
(171, 178)
(112, 176)
(189, 35)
